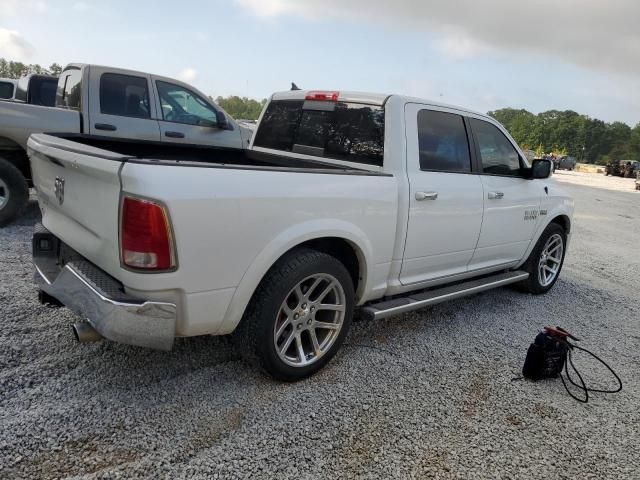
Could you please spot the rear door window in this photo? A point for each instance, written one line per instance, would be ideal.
(347, 131)
(6, 90)
(124, 95)
(442, 141)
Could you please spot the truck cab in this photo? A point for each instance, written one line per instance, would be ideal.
(126, 104)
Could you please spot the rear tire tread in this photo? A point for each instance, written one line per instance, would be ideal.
(250, 334)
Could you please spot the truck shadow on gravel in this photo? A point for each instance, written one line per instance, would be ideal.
(30, 215)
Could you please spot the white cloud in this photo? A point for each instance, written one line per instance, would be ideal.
(596, 34)
(188, 75)
(10, 8)
(271, 8)
(13, 46)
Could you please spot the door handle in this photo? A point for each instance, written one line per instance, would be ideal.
(105, 126)
(174, 134)
(426, 196)
(495, 195)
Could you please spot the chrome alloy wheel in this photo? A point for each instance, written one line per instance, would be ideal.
(309, 320)
(4, 194)
(550, 260)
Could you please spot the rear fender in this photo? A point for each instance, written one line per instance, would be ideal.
(287, 240)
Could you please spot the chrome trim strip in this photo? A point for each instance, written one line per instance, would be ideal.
(42, 275)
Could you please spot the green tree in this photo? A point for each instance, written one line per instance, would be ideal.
(10, 69)
(588, 139)
(242, 108)
(55, 69)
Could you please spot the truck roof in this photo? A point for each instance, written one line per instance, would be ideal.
(367, 97)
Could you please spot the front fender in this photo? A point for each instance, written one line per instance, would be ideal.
(554, 208)
(288, 239)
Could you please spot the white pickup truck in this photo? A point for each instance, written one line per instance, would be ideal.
(104, 102)
(344, 200)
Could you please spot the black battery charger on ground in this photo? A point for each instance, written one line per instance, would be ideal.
(551, 352)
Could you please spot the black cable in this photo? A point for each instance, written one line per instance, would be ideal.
(584, 387)
(605, 364)
(568, 361)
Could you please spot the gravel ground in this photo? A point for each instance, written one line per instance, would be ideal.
(432, 394)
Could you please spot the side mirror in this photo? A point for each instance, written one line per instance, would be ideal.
(222, 121)
(541, 168)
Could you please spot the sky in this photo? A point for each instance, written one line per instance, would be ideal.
(582, 55)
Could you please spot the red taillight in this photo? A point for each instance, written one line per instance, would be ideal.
(323, 96)
(145, 235)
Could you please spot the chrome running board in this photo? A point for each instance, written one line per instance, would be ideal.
(424, 298)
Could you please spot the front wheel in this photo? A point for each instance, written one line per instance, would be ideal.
(546, 260)
(299, 315)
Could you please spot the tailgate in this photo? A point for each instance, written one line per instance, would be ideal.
(79, 193)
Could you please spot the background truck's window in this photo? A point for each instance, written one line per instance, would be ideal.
(442, 141)
(69, 90)
(343, 131)
(181, 105)
(42, 91)
(124, 95)
(6, 90)
(498, 155)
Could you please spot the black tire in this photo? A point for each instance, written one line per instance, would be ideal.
(15, 190)
(533, 284)
(255, 334)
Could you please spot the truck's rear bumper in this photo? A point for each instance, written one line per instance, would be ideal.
(98, 297)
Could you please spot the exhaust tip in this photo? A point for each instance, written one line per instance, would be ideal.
(84, 333)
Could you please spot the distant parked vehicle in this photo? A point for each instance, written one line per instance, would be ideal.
(111, 104)
(7, 88)
(622, 168)
(565, 162)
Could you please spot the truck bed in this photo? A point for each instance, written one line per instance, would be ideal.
(137, 151)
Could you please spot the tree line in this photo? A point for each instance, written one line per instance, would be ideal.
(9, 69)
(588, 139)
(242, 108)
(567, 132)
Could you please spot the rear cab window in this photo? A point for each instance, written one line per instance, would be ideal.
(338, 130)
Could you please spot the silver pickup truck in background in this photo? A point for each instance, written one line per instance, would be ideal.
(97, 101)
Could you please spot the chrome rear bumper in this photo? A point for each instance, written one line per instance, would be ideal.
(98, 297)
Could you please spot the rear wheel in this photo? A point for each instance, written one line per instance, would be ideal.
(14, 192)
(299, 315)
(545, 261)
